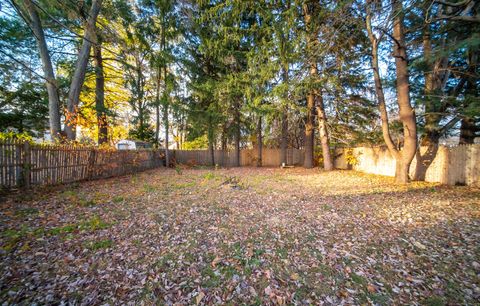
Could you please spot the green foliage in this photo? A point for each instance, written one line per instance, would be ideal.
(198, 143)
(10, 135)
(142, 132)
(24, 109)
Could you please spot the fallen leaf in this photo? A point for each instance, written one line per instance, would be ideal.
(200, 297)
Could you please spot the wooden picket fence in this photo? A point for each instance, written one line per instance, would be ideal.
(24, 164)
(248, 157)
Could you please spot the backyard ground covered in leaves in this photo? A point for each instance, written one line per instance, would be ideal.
(241, 236)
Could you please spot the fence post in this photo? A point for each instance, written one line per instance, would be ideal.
(26, 165)
(91, 164)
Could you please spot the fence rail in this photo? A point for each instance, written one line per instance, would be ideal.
(25, 164)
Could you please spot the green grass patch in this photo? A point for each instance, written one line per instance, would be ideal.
(98, 244)
(210, 277)
(184, 185)
(13, 237)
(118, 199)
(70, 228)
(149, 188)
(25, 212)
(165, 261)
(209, 176)
(93, 224)
(434, 301)
(358, 279)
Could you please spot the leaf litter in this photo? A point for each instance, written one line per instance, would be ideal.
(242, 236)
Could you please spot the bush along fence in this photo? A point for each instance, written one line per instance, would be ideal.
(25, 163)
(458, 165)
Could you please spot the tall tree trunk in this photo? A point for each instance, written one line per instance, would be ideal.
(323, 131)
(157, 107)
(309, 133)
(80, 70)
(259, 141)
(433, 110)
(468, 127)
(406, 112)
(284, 139)
(310, 8)
(467, 131)
(432, 116)
(237, 133)
(166, 126)
(210, 136)
(102, 122)
(165, 115)
(51, 83)
(407, 115)
(223, 144)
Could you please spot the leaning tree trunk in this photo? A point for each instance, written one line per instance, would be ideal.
(80, 70)
(51, 84)
(322, 127)
(102, 122)
(259, 142)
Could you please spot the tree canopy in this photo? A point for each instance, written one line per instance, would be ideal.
(229, 74)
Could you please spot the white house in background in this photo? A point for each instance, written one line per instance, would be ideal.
(126, 144)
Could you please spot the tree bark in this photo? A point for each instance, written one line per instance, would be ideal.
(80, 70)
(468, 126)
(102, 122)
(157, 108)
(259, 141)
(51, 83)
(223, 144)
(210, 136)
(309, 9)
(284, 139)
(406, 113)
(237, 133)
(467, 131)
(432, 117)
(323, 132)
